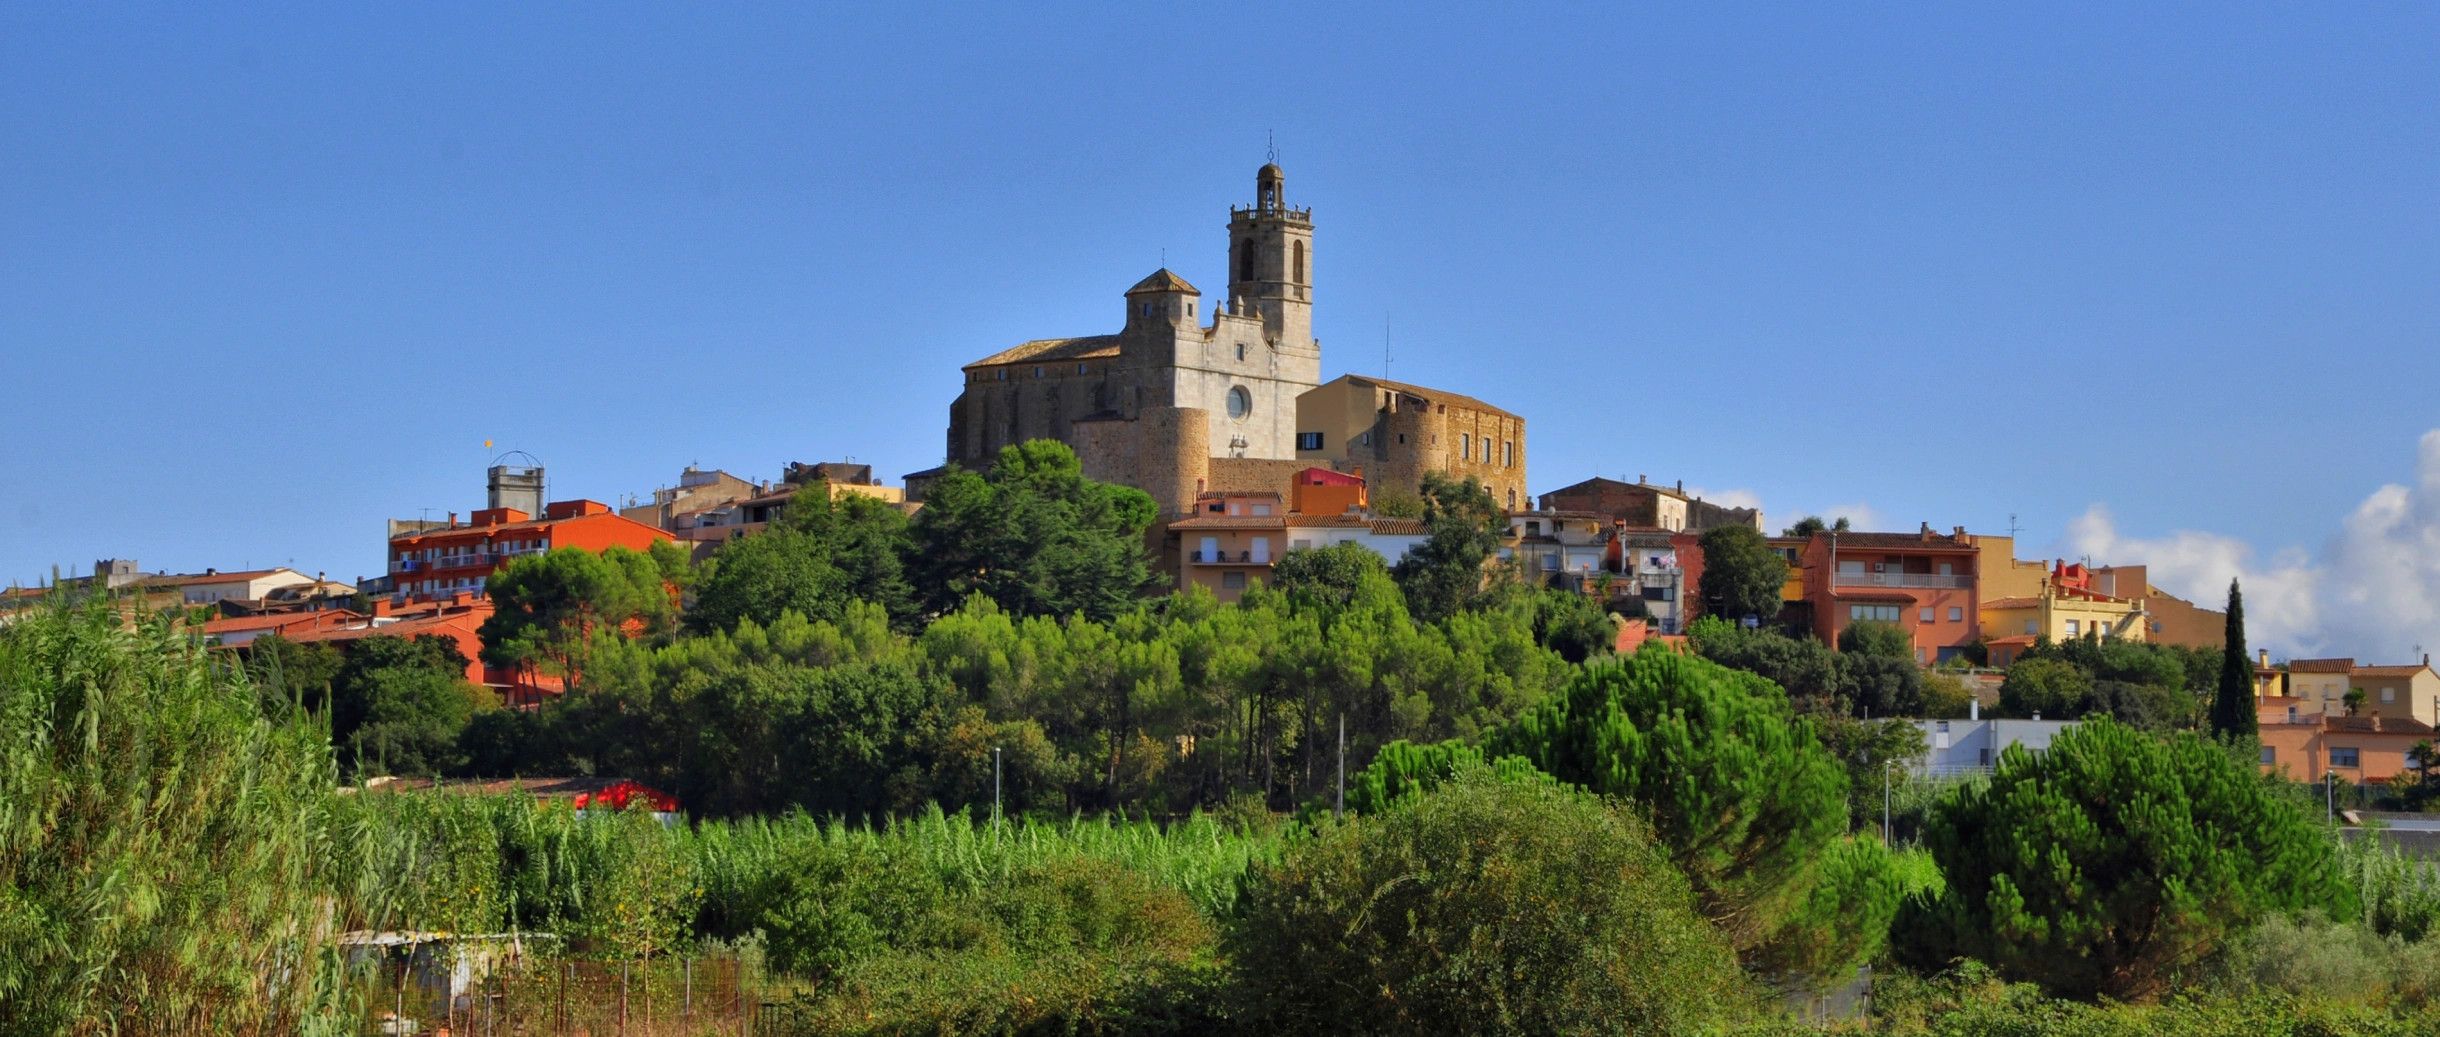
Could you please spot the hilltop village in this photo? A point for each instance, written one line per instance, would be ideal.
(1216, 408)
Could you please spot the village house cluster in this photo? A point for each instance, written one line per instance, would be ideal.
(1219, 412)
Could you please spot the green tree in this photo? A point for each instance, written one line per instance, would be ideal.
(1571, 624)
(819, 555)
(1742, 575)
(1739, 789)
(1444, 575)
(1486, 906)
(1326, 576)
(1811, 524)
(291, 674)
(2233, 714)
(1873, 637)
(549, 608)
(400, 706)
(2104, 865)
(2052, 688)
(1034, 536)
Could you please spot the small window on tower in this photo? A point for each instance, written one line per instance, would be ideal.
(1241, 351)
(1245, 262)
(1300, 262)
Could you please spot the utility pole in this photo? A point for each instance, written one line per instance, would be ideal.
(1884, 804)
(995, 785)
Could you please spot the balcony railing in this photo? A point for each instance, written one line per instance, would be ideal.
(1227, 558)
(1917, 581)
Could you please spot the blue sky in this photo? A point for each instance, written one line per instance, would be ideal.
(2155, 281)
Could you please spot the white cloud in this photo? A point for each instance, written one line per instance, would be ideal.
(1859, 515)
(2372, 593)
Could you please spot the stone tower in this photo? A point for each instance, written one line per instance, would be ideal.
(1270, 249)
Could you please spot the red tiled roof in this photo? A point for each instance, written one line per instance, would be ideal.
(1902, 541)
(2012, 603)
(188, 578)
(2376, 725)
(276, 620)
(1400, 527)
(1231, 522)
(2321, 665)
(2391, 671)
(1433, 395)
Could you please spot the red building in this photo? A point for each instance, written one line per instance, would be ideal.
(436, 563)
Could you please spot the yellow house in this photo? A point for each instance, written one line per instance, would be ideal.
(2002, 575)
(2009, 624)
(2412, 690)
(2319, 686)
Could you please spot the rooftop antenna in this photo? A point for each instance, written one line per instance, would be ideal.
(1270, 147)
(1385, 347)
(2012, 526)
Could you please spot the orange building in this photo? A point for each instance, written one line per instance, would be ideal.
(1922, 582)
(457, 619)
(435, 563)
(2305, 746)
(1229, 540)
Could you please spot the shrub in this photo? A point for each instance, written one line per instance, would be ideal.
(1488, 905)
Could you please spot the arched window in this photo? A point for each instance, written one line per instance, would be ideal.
(1245, 261)
(1300, 262)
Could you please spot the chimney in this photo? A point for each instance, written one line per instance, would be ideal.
(1642, 478)
(453, 520)
(2265, 658)
(2037, 716)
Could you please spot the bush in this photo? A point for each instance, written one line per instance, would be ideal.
(1488, 905)
(2114, 861)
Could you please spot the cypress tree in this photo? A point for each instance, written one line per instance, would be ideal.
(2233, 715)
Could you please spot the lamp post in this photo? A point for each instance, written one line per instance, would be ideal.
(2330, 793)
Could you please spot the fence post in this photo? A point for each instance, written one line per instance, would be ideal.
(622, 999)
(687, 1012)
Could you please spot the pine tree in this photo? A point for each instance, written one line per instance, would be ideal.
(2233, 714)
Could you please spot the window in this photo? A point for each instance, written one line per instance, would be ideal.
(1957, 614)
(2389, 695)
(2270, 756)
(2345, 758)
(1080, 369)
(1240, 403)
(1232, 580)
(1245, 260)
(1876, 613)
(1262, 511)
(1300, 262)
(1948, 569)
(1241, 352)
(1924, 614)
(1508, 453)
(1300, 544)
(1308, 441)
(2072, 628)
(1208, 550)
(1465, 447)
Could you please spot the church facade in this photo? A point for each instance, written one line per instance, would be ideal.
(1242, 361)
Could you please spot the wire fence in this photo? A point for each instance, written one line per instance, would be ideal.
(669, 997)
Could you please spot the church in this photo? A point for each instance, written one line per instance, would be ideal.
(1183, 400)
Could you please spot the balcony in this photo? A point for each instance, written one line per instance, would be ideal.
(1227, 558)
(1908, 581)
(463, 561)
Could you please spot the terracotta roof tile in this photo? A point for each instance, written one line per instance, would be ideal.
(1052, 350)
(1163, 281)
(2321, 665)
(1902, 541)
(1400, 527)
(1231, 522)
(1434, 395)
(2412, 670)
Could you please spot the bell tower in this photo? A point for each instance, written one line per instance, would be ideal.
(1270, 255)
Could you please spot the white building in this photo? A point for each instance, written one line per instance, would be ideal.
(1972, 746)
